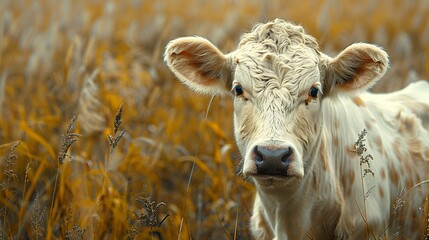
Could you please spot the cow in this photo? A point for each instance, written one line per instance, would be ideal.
(299, 117)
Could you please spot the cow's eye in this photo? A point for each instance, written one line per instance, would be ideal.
(314, 91)
(238, 90)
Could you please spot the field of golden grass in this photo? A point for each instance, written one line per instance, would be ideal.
(120, 169)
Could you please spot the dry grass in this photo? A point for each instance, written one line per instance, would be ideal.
(86, 58)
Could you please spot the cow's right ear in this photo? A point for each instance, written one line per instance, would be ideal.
(200, 65)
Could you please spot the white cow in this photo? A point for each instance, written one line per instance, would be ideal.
(297, 116)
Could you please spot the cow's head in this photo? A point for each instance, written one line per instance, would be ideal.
(278, 79)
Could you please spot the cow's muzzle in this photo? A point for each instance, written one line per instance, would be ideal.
(272, 160)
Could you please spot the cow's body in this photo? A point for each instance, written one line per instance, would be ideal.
(298, 145)
(397, 125)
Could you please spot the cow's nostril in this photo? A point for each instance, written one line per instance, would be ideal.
(287, 154)
(259, 157)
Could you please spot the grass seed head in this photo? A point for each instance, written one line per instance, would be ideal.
(149, 213)
(115, 138)
(67, 140)
(118, 120)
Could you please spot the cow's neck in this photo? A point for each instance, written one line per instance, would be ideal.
(292, 204)
(302, 200)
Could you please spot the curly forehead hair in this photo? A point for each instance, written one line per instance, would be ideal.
(278, 55)
(278, 35)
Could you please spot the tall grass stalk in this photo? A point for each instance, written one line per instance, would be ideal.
(10, 176)
(193, 169)
(113, 142)
(364, 168)
(364, 204)
(54, 192)
(66, 141)
(236, 224)
(27, 169)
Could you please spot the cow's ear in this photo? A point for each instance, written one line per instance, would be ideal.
(356, 68)
(199, 64)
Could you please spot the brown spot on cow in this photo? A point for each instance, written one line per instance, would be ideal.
(335, 139)
(337, 124)
(343, 180)
(380, 191)
(383, 174)
(409, 183)
(416, 149)
(351, 176)
(379, 143)
(409, 124)
(417, 155)
(414, 216)
(394, 176)
(351, 152)
(408, 167)
(315, 181)
(359, 102)
(368, 125)
(345, 184)
(415, 221)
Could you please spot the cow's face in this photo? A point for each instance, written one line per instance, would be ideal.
(276, 107)
(278, 79)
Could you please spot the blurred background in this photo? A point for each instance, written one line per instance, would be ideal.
(123, 172)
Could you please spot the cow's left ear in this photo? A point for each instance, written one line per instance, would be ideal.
(356, 68)
(200, 65)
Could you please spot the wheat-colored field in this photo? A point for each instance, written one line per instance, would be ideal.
(121, 169)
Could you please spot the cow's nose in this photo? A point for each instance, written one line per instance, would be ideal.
(272, 160)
